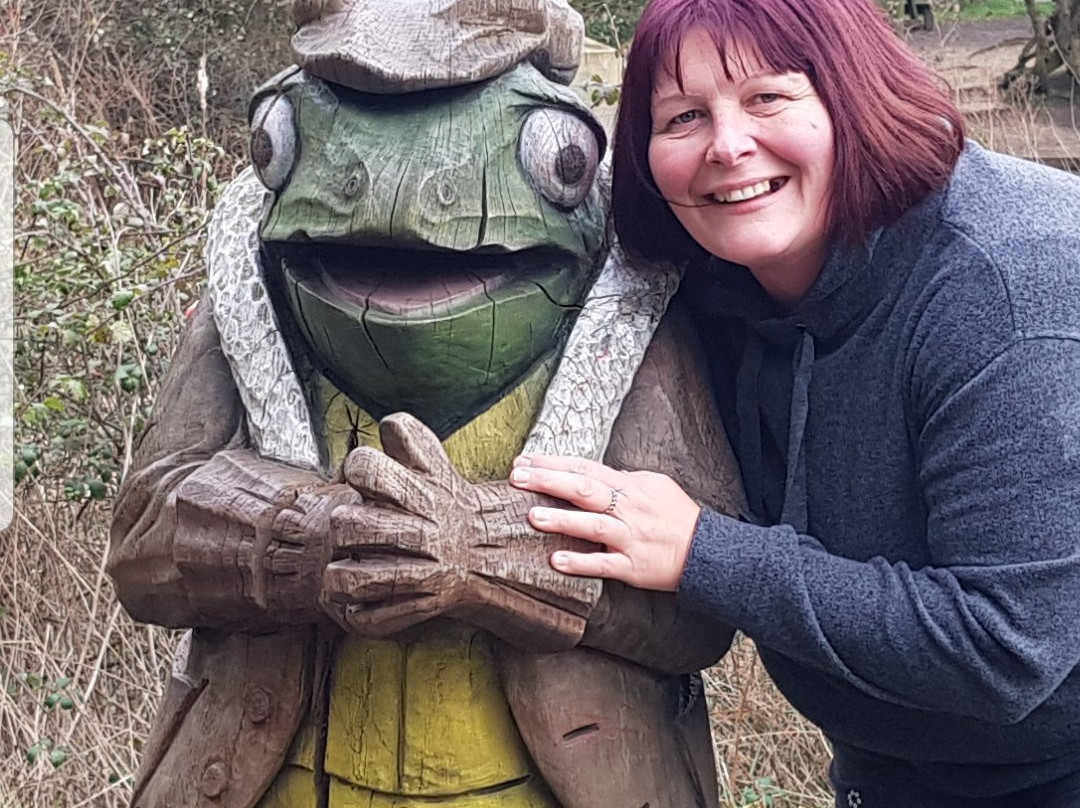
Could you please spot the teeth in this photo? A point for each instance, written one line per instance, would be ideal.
(742, 194)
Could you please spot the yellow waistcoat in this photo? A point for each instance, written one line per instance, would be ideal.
(421, 720)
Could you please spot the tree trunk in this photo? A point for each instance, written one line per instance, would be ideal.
(1041, 42)
(1055, 42)
(1067, 35)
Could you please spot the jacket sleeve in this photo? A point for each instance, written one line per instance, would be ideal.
(669, 424)
(994, 617)
(205, 532)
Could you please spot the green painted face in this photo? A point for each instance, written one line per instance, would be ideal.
(430, 248)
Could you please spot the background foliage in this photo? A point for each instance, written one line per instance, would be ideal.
(610, 21)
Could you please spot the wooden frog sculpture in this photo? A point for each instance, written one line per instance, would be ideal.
(374, 623)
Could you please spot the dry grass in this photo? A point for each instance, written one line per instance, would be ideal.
(79, 683)
(764, 748)
(100, 216)
(62, 622)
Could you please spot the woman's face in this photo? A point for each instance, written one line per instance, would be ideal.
(746, 163)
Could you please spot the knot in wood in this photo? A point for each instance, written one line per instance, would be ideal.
(262, 148)
(214, 780)
(354, 186)
(571, 164)
(258, 705)
(446, 193)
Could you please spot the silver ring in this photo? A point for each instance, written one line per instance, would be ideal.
(610, 509)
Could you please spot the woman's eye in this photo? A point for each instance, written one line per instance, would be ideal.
(768, 98)
(685, 117)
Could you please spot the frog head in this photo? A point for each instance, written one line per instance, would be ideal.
(426, 250)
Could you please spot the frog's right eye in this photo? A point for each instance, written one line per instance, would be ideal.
(273, 141)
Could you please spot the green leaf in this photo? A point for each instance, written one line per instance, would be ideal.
(57, 757)
(121, 299)
(76, 388)
(75, 490)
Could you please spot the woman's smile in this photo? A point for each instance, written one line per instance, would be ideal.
(744, 155)
(747, 193)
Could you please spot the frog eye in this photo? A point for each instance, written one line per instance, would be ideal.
(273, 141)
(559, 153)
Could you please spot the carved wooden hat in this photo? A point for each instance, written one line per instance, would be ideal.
(395, 46)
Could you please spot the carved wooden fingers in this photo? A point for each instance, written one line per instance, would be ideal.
(425, 542)
(252, 539)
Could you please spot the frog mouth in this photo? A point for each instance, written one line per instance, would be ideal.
(416, 283)
(436, 333)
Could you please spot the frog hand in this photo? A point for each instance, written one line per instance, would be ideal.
(426, 543)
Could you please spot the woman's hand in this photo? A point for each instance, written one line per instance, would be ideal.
(644, 520)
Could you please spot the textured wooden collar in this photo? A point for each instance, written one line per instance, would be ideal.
(602, 354)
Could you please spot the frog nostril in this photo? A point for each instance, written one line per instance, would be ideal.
(446, 194)
(356, 184)
(571, 164)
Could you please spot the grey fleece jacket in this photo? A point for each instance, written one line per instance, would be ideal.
(909, 438)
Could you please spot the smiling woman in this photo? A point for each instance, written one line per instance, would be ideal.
(895, 133)
(892, 321)
(744, 156)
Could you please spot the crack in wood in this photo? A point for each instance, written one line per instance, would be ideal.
(580, 732)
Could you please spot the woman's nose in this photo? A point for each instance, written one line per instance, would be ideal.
(732, 141)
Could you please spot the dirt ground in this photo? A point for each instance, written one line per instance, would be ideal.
(972, 55)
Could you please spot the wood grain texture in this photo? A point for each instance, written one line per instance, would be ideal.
(652, 638)
(567, 704)
(189, 424)
(433, 699)
(227, 743)
(274, 409)
(669, 424)
(425, 543)
(610, 734)
(390, 46)
(209, 533)
(602, 357)
(408, 171)
(205, 531)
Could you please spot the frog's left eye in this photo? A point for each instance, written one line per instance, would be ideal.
(273, 141)
(559, 153)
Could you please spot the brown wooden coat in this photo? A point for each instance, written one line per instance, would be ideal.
(242, 570)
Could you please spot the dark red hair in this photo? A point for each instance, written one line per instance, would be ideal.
(897, 133)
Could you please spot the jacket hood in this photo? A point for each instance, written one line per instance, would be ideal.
(852, 282)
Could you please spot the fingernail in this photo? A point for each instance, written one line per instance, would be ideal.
(540, 515)
(522, 460)
(520, 475)
(559, 560)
